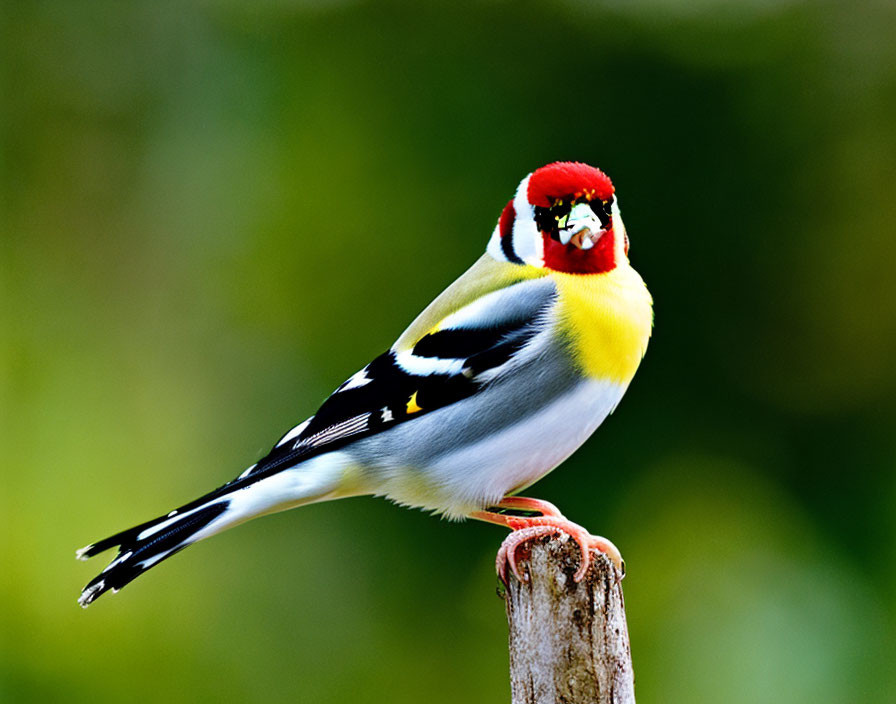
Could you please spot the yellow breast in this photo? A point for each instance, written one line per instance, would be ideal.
(607, 318)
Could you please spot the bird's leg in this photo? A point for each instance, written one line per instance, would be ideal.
(533, 518)
(520, 505)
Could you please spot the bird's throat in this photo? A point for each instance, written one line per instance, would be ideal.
(573, 260)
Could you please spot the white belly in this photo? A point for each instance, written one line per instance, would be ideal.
(478, 474)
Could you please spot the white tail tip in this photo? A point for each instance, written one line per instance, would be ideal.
(88, 594)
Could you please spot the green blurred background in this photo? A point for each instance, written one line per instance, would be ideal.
(212, 213)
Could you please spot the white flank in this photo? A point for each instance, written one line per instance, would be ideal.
(522, 453)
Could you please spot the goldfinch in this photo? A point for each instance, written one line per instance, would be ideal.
(500, 379)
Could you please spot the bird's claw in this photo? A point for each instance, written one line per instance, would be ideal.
(552, 526)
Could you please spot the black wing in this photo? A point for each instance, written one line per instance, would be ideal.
(443, 367)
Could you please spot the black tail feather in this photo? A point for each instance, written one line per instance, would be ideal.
(125, 536)
(135, 556)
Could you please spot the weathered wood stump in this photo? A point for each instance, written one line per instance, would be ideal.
(568, 641)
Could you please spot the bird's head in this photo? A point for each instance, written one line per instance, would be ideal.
(564, 217)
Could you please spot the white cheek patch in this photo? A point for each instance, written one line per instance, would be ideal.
(525, 238)
(527, 241)
(494, 246)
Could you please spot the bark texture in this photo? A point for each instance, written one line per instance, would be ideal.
(568, 642)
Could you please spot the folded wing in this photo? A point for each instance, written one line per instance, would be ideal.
(454, 360)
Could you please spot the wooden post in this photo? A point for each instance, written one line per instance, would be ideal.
(568, 642)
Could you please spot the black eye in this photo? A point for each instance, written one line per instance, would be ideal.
(547, 219)
(603, 210)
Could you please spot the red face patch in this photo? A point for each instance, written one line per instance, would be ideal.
(505, 223)
(563, 179)
(572, 260)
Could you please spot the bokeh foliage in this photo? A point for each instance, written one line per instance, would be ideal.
(214, 212)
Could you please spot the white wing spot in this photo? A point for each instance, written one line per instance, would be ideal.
(356, 381)
(245, 473)
(426, 366)
(295, 432)
(387, 415)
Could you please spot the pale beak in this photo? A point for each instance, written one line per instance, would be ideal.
(583, 228)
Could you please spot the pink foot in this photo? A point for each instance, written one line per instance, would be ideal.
(526, 529)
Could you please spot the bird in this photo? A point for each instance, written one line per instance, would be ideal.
(497, 382)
